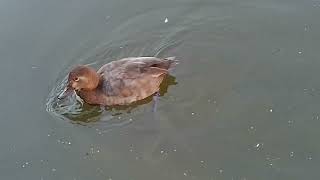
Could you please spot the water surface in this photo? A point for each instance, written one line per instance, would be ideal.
(245, 105)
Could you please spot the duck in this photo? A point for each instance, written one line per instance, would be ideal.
(119, 82)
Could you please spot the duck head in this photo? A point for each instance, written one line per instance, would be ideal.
(81, 78)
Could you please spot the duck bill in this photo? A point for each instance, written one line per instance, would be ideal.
(68, 91)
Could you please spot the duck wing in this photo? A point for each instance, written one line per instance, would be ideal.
(132, 79)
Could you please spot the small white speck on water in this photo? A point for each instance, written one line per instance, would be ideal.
(270, 110)
(53, 169)
(290, 122)
(299, 52)
(185, 174)
(130, 119)
(119, 117)
(291, 154)
(110, 179)
(270, 164)
(25, 164)
(49, 135)
(69, 143)
(257, 145)
(166, 20)
(201, 162)
(174, 150)
(192, 113)
(34, 67)
(309, 158)
(161, 151)
(220, 171)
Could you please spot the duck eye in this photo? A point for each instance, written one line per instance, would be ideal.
(76, 79)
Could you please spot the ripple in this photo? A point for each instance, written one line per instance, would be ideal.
(160, 42)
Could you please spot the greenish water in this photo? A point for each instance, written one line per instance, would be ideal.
(243, 103)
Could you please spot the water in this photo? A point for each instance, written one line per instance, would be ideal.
(245, 105)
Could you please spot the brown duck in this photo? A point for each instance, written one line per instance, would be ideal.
(119, 82)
